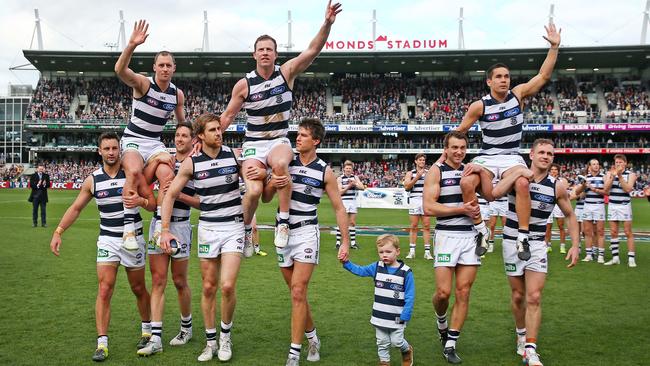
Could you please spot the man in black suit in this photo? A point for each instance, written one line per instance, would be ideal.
(39, 182)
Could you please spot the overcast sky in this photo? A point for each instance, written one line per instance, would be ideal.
(234, 25)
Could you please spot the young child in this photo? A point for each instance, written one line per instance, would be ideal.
(394, 298)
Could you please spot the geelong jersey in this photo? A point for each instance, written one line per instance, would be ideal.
(592, 197)
(617, 195)
(107, 191)
(418, 187)
(151, 111)
(451, 196)
(308, 184)
(389, 296)
(542, 202)
(216, 182)
(268, 106)
(351, 193)
(501, 125)
(181, 211)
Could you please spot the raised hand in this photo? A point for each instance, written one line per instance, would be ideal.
(552, 35)
(139, 34)
(332, 11)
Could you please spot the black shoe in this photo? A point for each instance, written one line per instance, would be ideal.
(354, 246)
(523, 250)
(443, 337)
(143, 342)
(449, 353)
(100, 354)
(480, 249)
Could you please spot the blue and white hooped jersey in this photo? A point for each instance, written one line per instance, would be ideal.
(107, 192)
(351, 193)
(598, 181)
(452, 196)
(418, 187)
(150, 113)
(268, 106)
(542, 200)
(617, 195)
(501, 125)
(308, 185)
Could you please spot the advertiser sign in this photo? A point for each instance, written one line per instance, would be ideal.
(386, 43)
(424, 128)
(603, 127)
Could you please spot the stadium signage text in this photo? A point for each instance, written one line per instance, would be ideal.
(387, 43)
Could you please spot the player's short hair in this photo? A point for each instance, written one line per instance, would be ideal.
(348, 163)
(556, 166)
(110, 135)
(265, 37)
(315, 127)
(491, 69)
(202, 120)
(455, 134)
(186, 125)
(542, 142)
(388, 239)
(164, 53)
(620, 156)
(420, 155)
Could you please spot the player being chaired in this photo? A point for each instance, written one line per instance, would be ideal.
(267, 94)
(500, 115)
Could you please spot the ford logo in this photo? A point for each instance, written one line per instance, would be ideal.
(396, 287)
(310, 181)
(374, 194)
(119, 191)
(543, 198)
(277, 90)
(168, 106)
(202, 175)
(512, 112)
(227, 170)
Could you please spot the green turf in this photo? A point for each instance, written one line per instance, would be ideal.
(593, 315)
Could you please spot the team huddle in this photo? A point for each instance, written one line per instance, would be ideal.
(205, 175)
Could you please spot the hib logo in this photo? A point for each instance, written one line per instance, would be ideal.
(227, 170)
(277, 90)
(310, 181)
(374, 194)
(511, 112)
(152, 102)
(202, 175)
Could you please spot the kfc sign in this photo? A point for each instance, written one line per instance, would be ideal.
(383, 42)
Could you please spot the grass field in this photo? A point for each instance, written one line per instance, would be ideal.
(593, 315)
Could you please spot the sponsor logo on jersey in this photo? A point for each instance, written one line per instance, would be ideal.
(511, 267)
(443, 258)
(202, 175)
(257, 96)
(379, 284)
(204, 248)
(152, 101)
(249, 152)
(310, 181)
(277, 90)
(102, 194)
(492, 117)
(168, 106)
(132, 145)
(449, 182)
(227, 170)
(309, 250)
(102, 253)
(512, 112)
(543, 198)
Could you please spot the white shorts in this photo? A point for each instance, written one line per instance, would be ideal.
(212, 242)
(498, 164)
(145, 147)
(485, 211)
(303, 246)
(110, 250)
(557, 213)
(451, 250)
(416, 206)
(181, 230)
(514, 266)
(259, 150)
(593, 212)
(498, 208)
(578, 212)
(350, 206)
(617, 212)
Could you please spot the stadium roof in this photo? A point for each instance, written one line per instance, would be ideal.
(637, 57)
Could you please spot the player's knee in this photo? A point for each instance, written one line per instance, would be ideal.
(442, 294)
(522, 185)
(105, 291)
(298, 293)
(227, 289)
(414, 227)
(462, 294)
(469, 182)
(534, 298)
(518, 297)
(138, 288)
(254, 190)
(164, 173)
(426, 226)
(159, 280)
(180, 282)
(209, 289)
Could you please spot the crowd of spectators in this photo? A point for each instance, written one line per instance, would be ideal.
(52, 99)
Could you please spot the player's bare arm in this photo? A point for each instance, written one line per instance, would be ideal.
(239, 95)
(331, 188)
(184, 175)
(535, 84)
(474, 112)
(138, 82)
(564, 203)
(72, 213)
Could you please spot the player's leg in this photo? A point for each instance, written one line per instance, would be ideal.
(560, 226)
(297, 278)
(135, 276)
(600, 232)
(179, 277)
(164, 174)
(492, 224)
(256, 238)
(588, 227)
(534, 287)
(469, 185)
(278, 160)
(133, 165)
(631, 252)
(210, 268)
(106, 276)
(426, 236)
(518, 306)
(352, 228)
(413, 235)
(230, 263)
(522, 207)
(465, 276)
(613, 243)
(547, 235)
(158, 265)
(444, 280)
(251, 199)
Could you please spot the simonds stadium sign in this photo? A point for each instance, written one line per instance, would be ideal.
(384, 42)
